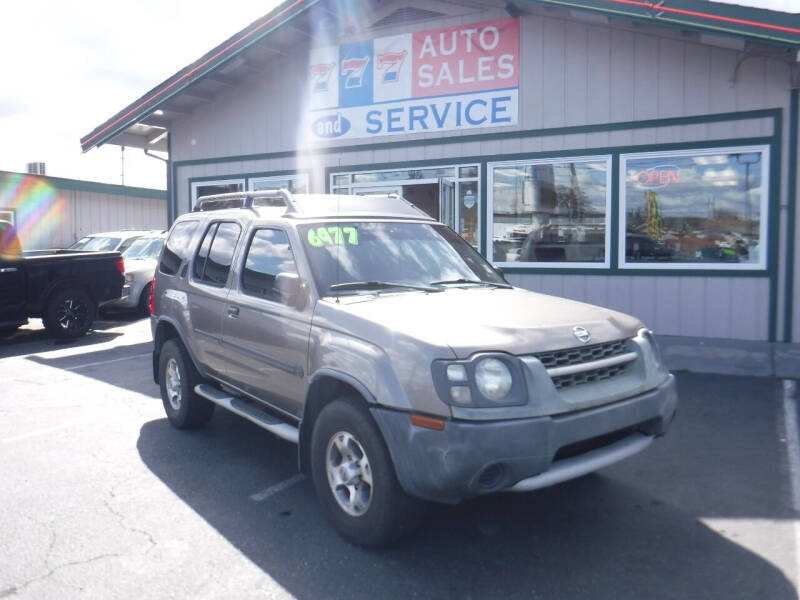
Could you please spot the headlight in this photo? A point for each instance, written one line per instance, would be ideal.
(651, 339)
(493, 379)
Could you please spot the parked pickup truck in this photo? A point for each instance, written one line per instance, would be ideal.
(62, 287)
(402, 364)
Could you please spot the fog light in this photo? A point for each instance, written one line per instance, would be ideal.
(461, 394)
(456, 373)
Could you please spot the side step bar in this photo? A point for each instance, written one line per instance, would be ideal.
(252, 413)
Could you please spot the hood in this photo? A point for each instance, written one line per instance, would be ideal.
(470, 319)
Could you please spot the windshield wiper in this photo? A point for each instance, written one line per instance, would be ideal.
(472, 281)
(380, 285)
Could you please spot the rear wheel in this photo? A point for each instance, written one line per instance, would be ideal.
(178, 377)
(143, 307)
(69, 313)
(354, 477)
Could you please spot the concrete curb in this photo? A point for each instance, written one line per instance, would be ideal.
(730, 357)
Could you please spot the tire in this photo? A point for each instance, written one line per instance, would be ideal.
(366, 515)
(8, 331)
(143, 308)
(69, 313)
(178, 376)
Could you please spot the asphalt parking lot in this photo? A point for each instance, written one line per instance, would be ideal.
(102, 499)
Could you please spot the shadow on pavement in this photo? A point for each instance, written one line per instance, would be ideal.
(128, 367)
(633, 531)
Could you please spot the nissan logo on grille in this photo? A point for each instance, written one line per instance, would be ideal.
(582, 334)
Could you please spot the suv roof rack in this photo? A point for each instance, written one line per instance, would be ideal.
(245, 200)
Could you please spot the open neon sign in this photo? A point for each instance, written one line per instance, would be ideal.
(656, 177)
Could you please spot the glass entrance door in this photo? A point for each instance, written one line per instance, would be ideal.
(447, 202)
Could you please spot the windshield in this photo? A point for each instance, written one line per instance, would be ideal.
(145, 248)
(96, 244)
(378, 254)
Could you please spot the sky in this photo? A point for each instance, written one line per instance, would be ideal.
(67, 66)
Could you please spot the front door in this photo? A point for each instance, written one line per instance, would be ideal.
(12, 290)
(265, 340)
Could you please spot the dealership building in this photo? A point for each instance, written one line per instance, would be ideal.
(636, 155)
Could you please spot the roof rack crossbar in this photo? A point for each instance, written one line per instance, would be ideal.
(222, 201)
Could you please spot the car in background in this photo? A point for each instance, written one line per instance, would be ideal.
(141, 259)
(62, 287)
(110, 240)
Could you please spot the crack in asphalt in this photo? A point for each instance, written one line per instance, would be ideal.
(121, 520)
(15, 589)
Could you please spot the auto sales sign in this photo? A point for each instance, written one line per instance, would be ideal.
(463, 77)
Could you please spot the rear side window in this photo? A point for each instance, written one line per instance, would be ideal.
(214, 259)
(177, 248)
(269, 254)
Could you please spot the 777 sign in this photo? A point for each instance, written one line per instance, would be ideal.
(353, 70)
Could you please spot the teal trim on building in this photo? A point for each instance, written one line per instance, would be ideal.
(773, 141)
(791, 218)
(89, 186)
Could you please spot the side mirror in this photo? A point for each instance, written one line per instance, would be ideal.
(290, 289)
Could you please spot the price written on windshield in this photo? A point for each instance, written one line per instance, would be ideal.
(333, 236)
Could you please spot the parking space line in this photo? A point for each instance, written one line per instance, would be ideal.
(106, 362)
(277, 488)
(792, 438)
(39, 432)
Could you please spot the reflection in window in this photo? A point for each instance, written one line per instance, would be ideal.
(700, 208)
(269, 254)
(212, 188)
(296, 184)
(550, 212)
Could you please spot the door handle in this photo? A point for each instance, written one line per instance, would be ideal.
(8, 270)
(233, 311)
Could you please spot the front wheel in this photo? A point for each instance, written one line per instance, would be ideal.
(69, 313)
(354, 477)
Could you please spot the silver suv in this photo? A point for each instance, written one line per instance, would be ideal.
(402, 364)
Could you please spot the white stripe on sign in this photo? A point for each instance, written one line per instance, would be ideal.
(106, 362)
(277, 488)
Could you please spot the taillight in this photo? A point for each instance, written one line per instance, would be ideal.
(121, 266)
(153, 297)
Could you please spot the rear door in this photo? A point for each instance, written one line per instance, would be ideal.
(208, 290)
(265, 341)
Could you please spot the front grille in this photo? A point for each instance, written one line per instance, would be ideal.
(581, 355)
(563, 381)
(584, 446)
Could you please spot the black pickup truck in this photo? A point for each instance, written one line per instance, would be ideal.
(62, 287)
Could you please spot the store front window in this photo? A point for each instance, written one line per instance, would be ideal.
(694, 209)
(551, 212)
(449, 194)
(211, 188)
(297, 184)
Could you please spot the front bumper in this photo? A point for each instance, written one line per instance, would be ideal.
(467, 459)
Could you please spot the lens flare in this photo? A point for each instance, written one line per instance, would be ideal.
(37, 208)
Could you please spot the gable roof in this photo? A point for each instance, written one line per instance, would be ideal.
(754, 24)
(143, 123)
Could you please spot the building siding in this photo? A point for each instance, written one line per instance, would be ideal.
(572, 74)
